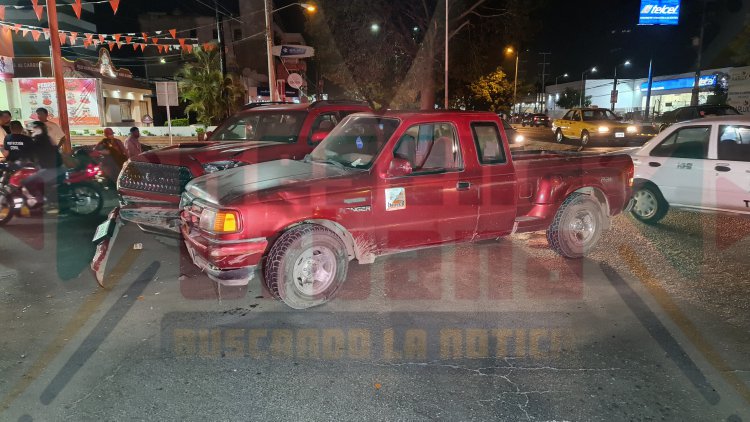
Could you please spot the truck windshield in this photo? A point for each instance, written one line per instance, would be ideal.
(356, 142)
(282, 127)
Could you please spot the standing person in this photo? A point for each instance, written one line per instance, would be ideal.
(133, 144)
(55, 133)
(5, 117)
(49, 159)
(18, 146)
(114, 153)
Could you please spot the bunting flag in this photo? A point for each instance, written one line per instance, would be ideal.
(89, 37)
(86, 43)
(111, 45)
(143, 47)
(189, 48)
(119, 45)
(35, 34)
(77, 8)
(128, 39)
(182, 43)
(62, 36)
(173, 33)
(117, 37)
(2, 13)
(17, 27)
(46, 33)
(155, 40)
(73, 37)
(101, 38)
(115, 4)
(24, 32)
(135, 46)
(145, 36)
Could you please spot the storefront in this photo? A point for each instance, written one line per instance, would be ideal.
(97, 94)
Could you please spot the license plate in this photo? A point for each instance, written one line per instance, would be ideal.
(102, 230)
(619, 134)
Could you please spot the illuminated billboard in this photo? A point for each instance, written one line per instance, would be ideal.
(659, 12)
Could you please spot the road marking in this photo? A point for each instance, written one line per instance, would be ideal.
(80, 318)
(681, 320)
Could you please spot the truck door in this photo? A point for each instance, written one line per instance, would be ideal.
(677, 166)
(731, 170)
(436, 203)
(497, 184)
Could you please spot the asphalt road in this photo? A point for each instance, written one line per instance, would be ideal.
(653, 325)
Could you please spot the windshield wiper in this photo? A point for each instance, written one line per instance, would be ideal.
(332, 162)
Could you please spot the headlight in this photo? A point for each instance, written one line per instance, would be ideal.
(518, 139)
(219, 221)
(603, 129)
(221, 165)
(632, 129)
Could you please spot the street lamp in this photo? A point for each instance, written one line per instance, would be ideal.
(510, 50)
(564, 75)
(583, 83)
(268, 5)
(613, 96)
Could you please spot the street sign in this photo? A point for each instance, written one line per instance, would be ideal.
(295, 80)
(167, 94)
(293, 51)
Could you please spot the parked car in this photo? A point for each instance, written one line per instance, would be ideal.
(150, 184)
(513, 136)
(384, 183)
(536, 120)
(698, 165)
(693, 112)
(601, 126)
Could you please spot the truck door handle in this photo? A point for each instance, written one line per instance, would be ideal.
(723, 168)
(654, 164)
(463, 186)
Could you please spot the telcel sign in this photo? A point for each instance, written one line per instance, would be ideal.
(659, 12)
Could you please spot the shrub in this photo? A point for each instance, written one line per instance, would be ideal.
(100, 132)
(180, 122)
(200, 130)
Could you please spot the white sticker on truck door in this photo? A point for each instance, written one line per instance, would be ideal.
(395, 199)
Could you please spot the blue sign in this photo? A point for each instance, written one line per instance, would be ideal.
(292, 51)
(680, 83)
(659, 12)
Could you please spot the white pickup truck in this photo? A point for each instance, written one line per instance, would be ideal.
(700, 164)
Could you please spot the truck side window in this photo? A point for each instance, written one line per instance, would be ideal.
(734, 143)
(430, 148)
(689, 142)
(322, 123)
(487, 139)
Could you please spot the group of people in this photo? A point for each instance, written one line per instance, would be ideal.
(40, 146)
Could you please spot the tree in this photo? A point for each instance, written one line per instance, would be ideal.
(211, 96)
(571, 98)
(492, 92)
(396, 63)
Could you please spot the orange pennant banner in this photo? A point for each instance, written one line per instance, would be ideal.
(143, 47)
(73, 37)
(182, 42)
(117, 37)
(155, 40)
(39, 10)
(77, 8)
(115, 4)
(101, 38)
(35, 35)
(17, 27)
(62, 36)
(189, 48)
(89, 37)
(111, 45)
(128, 39)
(173, 33)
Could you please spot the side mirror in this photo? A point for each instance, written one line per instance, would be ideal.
(399, 167)
(317, 137)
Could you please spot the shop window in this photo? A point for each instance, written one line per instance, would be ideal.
(144, 109)
(126, 111)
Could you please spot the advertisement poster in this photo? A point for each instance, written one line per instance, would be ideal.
(81, 94)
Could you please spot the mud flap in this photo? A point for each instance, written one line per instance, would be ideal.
(105, 235)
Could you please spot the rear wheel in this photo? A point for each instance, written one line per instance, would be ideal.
(585, 138)
(559, 137)
(85, 200)
(577, 226)
(6, 208)
(306, 266)
(649, 205)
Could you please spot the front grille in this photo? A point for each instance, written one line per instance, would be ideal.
(157, 178)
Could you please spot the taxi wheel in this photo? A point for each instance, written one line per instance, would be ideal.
(649, 206)
(585, 138)
(559, 137)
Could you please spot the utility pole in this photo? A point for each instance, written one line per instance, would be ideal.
(57, 70)
(648, 89)
(696, 83)
(544, 64)
(445, 100)
(220, 40)
(269, 45)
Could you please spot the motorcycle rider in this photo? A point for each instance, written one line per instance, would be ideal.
(51, 171)
(18, 145)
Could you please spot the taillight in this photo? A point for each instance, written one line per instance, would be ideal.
(92, 170)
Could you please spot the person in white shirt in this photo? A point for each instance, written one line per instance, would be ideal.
(133, 144)
(5, 117)
(54, 131)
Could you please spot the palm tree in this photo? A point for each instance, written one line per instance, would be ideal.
(211, 96)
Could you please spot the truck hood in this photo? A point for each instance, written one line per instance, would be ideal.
(203, 152)
(221, 188)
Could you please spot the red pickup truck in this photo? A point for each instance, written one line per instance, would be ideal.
(384, 183)
(151, 183)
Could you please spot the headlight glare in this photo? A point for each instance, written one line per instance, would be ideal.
(603, 129)
(632, 129)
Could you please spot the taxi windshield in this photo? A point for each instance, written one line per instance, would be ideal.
(356, 142)
(600, 114)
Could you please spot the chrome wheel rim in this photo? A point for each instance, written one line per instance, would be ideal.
(646, 204)
(582, 227)
(585, 139)
(314, 270)
(85, 200)
(558, 136)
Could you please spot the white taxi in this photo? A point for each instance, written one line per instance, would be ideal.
(700, 164)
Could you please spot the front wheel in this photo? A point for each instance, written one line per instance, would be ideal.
(649, 205)
(577, 226)
(306, 266)
(6, 208)
(559, 137)
(85, 200)
(585, 138)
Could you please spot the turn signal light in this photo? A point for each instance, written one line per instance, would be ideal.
(226, 222)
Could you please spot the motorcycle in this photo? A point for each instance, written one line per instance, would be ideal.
(81, 191)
